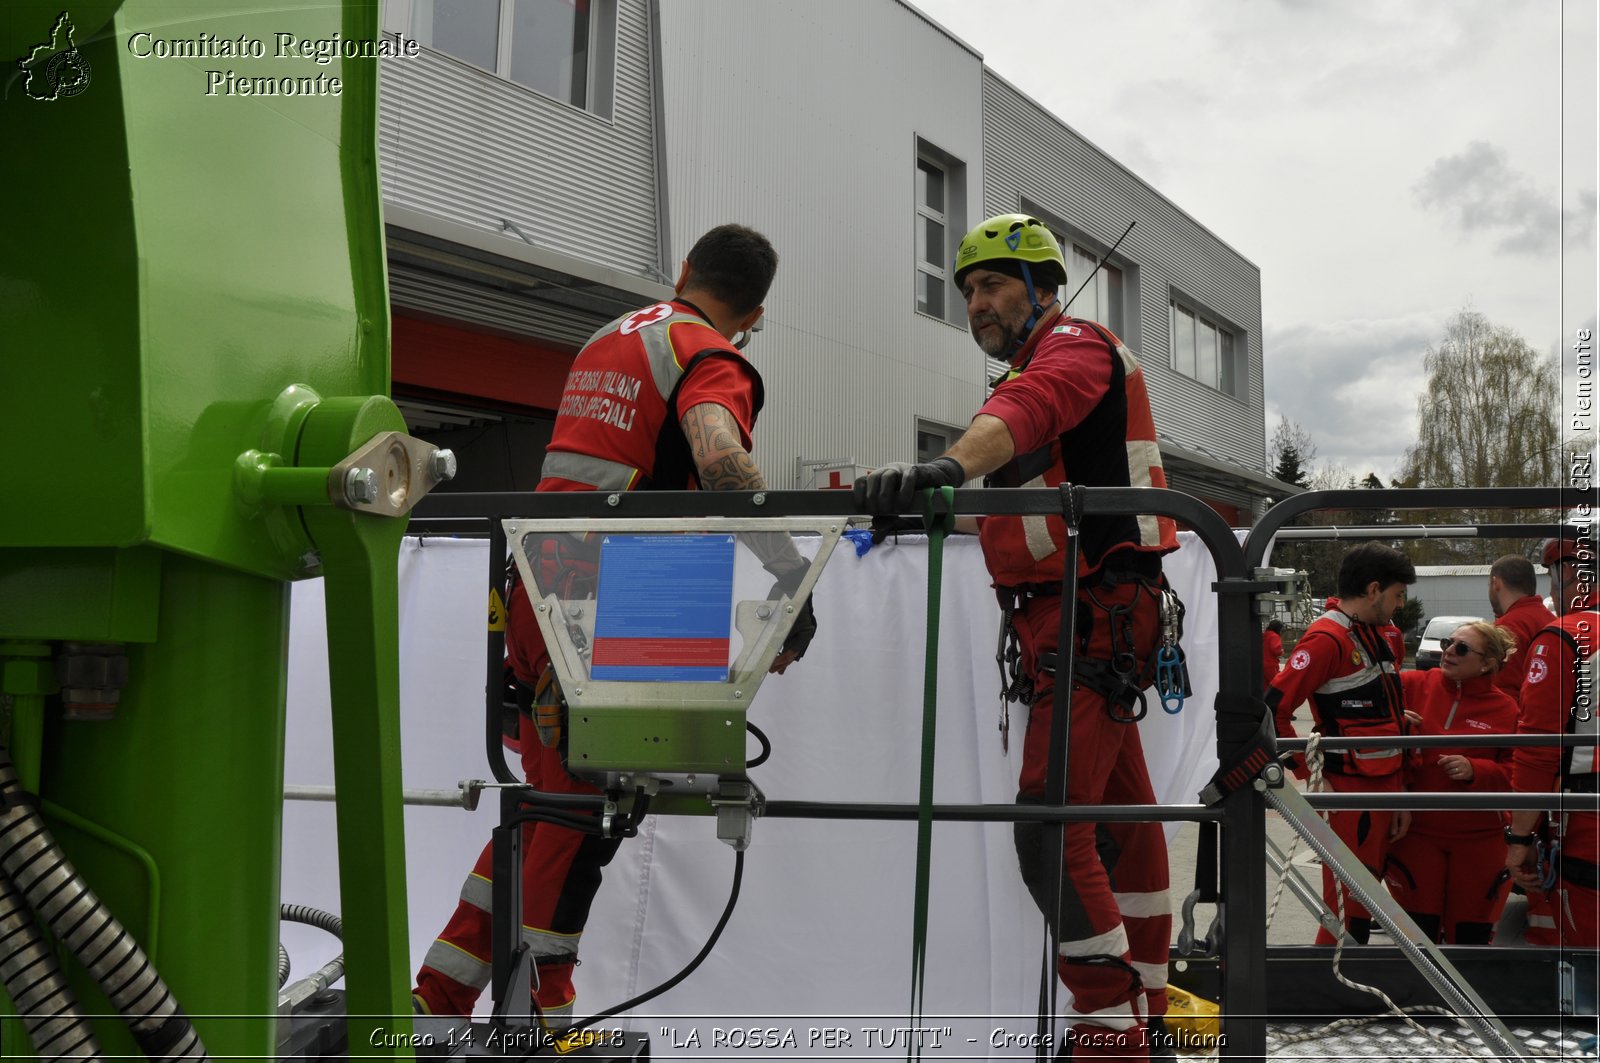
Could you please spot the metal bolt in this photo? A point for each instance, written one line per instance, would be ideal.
(444, 465)
(760, 498)
(763, 611)
(541, 607)
(360, 486)
(691, 780)
(613, 500)
(727, 723)
(578, 691)
(575, 611)
(1273, 774)
(738, 693)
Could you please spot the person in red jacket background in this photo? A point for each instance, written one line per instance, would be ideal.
(1558, 697)
(1271, 650)
(1449, 869)
(1345, 667)
(1514, 596)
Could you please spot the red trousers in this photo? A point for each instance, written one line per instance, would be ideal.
(561, 871)
(1367, 835)
(1114, 917)
(1453, 882)
(1568, 915)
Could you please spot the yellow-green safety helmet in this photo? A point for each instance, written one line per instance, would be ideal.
(1020, 237)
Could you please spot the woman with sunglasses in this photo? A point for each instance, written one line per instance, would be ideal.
(1448, 871)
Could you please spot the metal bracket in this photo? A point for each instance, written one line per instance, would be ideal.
(389, 475)
(737, 804)
(386, 476)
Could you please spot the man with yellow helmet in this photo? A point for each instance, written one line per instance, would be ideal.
(1073, 409)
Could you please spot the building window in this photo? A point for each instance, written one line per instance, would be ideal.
(933, 438)
(1101, 298)
(1205, 350)
(1104, 298)
(938, 217)
(561, 48)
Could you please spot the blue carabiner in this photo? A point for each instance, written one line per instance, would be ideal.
(1547, 863)
(1169, 680)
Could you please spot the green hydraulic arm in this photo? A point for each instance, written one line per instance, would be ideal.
(193, 388)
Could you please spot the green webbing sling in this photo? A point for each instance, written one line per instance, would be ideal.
(938, 525)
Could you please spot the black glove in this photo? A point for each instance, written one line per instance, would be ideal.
(803, 631)
(892, 488)
(804, 628)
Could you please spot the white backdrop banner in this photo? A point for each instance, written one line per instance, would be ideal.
(816, 959)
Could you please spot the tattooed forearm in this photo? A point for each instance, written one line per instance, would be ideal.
(724, 465)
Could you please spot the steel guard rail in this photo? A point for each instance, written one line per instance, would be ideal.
(1239, 709)
(1240, 712)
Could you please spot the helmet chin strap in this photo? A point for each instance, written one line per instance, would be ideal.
(1038, 310)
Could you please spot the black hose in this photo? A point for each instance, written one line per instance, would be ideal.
(300, 913)
(315, 984)
(581, 824)
(283, 965)
(33, 979)
(33, 861)
(766, 745)
(648, 995)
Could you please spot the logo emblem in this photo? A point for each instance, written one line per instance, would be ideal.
(55, 69)
(1300, 660)
(1013, 239)
(648, 316)
(1537, 670)
(1070, 330)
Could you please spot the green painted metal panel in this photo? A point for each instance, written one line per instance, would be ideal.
(653, 739)
(185, 271)
(190, 769)
(189, 255)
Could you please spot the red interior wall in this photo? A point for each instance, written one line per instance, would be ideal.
(450, 358)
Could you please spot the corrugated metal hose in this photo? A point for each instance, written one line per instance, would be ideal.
(40, 873)
(33, 979)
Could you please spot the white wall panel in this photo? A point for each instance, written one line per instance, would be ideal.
(800, 118)
(465, 145)
(1032, 154)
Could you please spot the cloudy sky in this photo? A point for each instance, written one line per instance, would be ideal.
(1384, 162)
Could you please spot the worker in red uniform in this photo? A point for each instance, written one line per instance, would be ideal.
(1556, 858)
(1074, 409)
(1447, 871)
(660, 399)
(1514, 596)
(1345, 666)
(1271, 649)
(1389, 630)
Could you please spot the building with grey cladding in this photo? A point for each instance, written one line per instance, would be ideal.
(547, 163)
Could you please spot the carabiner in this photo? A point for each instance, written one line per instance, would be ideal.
(1169, 680)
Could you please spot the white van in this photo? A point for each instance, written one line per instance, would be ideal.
(1437, 629)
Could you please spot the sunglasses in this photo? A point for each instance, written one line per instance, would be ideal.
(1457, 646)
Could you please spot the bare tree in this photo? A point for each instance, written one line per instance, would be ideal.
(1488, 418)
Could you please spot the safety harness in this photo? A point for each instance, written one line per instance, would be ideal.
(1120, 679)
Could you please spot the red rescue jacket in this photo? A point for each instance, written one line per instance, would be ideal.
(1113, 446)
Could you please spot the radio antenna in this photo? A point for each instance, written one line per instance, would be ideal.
(1102, 262)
